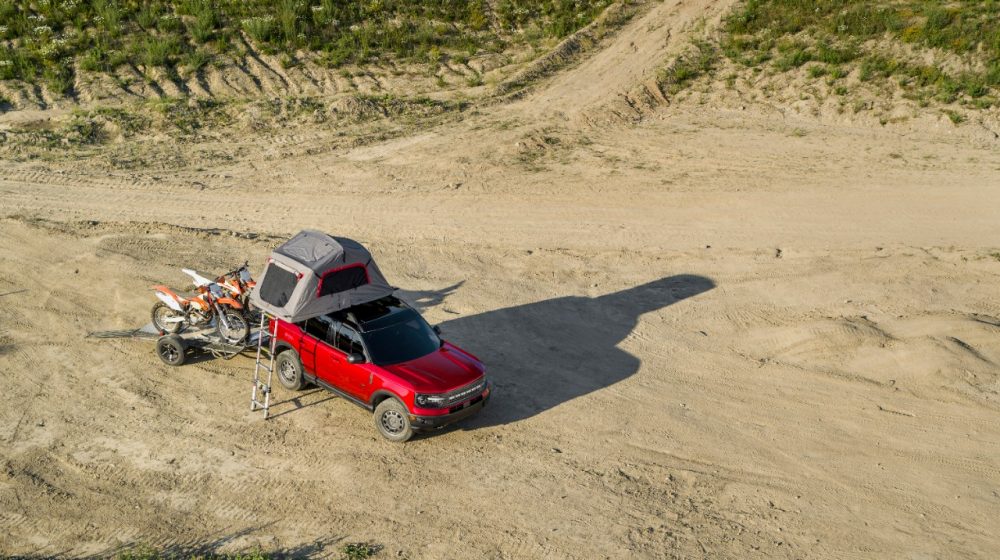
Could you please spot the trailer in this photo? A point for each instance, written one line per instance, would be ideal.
(176, 349)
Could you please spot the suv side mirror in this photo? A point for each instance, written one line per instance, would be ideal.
(356, 358)
(437, 330)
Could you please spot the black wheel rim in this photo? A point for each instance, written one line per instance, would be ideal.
(392, 422)
(169, 353)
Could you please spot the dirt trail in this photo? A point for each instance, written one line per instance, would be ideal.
(716, 334)
(633, 57)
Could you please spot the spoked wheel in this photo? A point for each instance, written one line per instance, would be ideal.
(393, 421)
(171, 349)
(237, 330)
(161, 315)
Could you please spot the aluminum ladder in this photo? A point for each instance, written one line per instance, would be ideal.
(260, 396)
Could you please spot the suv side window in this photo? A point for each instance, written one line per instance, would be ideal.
(321, 327)
(348, 340)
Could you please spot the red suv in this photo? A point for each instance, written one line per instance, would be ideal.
(384, 357)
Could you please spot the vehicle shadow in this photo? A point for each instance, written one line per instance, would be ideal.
(543, 354)
(300, 401)
(426, 299)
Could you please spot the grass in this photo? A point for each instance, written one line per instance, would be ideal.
(98, 130)
(360, 551)
(700, 61)
(42, 40)
(785, 35)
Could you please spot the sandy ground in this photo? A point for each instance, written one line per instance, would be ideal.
(717, 333)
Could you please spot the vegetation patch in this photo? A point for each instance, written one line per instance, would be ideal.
(699, 61)
(879, 40)
(360, 551)
(153, 133)
(46, 41)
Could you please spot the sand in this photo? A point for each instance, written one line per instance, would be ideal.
(720, 332)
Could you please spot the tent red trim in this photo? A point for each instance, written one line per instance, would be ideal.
(322, 277)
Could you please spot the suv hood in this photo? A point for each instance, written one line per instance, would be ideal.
(439, 372)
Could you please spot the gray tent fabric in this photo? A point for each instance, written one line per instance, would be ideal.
(314, 274)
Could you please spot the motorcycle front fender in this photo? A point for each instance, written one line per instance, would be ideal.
(230, 302)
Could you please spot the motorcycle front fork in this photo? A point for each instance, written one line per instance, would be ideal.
(221, 316)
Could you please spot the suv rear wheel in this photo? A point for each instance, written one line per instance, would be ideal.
(289, 369)
(393, 421)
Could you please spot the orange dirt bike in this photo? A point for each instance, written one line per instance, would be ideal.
(209, 305)
(238, 283)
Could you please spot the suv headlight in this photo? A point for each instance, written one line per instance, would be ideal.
(430, 401)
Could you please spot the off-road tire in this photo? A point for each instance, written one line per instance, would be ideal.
(392, 420)
(171, 349)
(288, 366)
(165, 310)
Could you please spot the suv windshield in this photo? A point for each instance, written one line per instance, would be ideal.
(402, 337)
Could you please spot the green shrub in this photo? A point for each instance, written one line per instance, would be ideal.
(103, 34)
(817, 71)
(689, 67)
(793, 59)
(786, 34)
(360, 551)
(259, 27)
(59, 79)
(156, 51)
(203, 26)
(196, 59)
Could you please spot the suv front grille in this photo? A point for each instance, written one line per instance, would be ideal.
(464, 393)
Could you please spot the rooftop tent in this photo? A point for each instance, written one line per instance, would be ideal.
(313, 274)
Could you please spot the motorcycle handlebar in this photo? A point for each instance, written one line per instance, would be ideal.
(241, 267)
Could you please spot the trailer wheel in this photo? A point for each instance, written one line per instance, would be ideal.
(171, 349)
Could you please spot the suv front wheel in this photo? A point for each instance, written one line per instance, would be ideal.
(393, 421)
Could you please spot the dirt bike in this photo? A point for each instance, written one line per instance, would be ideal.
(238, 282)
(209, 305)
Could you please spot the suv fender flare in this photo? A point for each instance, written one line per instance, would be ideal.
(381, 395)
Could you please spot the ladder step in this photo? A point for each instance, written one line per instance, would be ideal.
(265, 368)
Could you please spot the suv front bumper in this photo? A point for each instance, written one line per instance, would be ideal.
(427, 423)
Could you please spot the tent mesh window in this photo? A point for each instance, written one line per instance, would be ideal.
(348, 278)
(278, 285)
